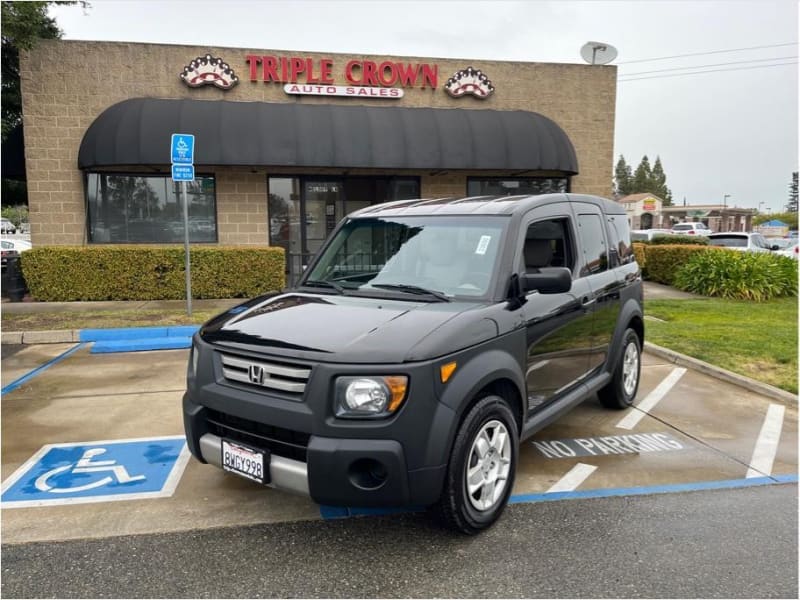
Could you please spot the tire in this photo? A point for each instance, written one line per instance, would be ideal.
(621, 390)
(467, 512)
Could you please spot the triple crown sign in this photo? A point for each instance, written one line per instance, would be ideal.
(182, 152)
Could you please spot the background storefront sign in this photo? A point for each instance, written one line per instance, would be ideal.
(649, 205)
(350, 91)
(297, 69)
(209, 70)
(469, 81)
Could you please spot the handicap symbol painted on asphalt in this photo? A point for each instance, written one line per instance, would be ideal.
(102, 471)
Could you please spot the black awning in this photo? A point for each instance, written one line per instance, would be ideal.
(137, 132)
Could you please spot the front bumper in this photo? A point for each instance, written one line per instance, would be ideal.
(354, 472)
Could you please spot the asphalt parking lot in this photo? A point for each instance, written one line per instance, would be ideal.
(695, 432)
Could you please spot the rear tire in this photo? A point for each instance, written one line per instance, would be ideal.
(482, 466)
(621, 390)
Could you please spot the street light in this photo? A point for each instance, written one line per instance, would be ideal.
(725, 200)
(760, 204)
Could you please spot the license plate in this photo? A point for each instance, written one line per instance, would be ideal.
(245, 461)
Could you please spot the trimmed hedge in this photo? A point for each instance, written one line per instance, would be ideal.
(674, 240)
(640, 254)
(739, 275)
(663, 262)
(69, 273)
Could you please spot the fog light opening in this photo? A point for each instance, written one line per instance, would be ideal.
(367, 474)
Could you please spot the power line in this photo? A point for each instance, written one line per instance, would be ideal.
(708, 71)
(736, 62)
(627, 62)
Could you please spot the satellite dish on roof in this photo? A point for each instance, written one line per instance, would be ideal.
(598, 53)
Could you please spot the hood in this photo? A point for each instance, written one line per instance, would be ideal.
(332, 328)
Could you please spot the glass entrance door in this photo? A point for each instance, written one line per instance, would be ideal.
(303, 211)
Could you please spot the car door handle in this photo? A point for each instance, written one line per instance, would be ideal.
(587, 302)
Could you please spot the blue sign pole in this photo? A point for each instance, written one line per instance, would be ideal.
(182, 152)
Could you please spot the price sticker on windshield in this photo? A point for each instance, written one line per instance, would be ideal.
(483, 244)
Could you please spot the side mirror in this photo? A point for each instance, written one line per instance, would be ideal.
(551, 280)
(775, 247)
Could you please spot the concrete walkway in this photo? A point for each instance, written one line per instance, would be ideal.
(657, 291)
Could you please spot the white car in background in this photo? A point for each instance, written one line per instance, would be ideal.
(647, 235)
(792, 251)
(690, 229)
(7, 226)
(741, 241)
(14, 244)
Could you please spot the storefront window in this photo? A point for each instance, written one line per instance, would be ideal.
(513, 186)
(127, 209)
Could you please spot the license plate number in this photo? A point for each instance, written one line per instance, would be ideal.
(244, 461)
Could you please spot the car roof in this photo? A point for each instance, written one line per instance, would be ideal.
(481, 205)
(729, 233)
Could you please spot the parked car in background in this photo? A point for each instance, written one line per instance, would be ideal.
(647, 235)
(741, 241)
(781, 242)
(690, 229)
(7, 252)
(18, 245)
(7, 226)
(791, 251)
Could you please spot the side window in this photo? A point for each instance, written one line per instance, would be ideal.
(548, 244)
(595, 250)
(621, 238)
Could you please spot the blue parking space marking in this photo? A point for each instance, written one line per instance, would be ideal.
(31, 374)
(340, 512)
(102, 471)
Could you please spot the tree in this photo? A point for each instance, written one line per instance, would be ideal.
(22, 25)
(642, 177)
(658, 183)
(622, 178)
(791, 206)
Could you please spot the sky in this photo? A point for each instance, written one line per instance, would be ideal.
(730, 132)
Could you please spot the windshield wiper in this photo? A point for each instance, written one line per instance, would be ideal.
(328, 284)
(412, 289)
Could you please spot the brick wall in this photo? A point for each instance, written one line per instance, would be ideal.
(67, 84)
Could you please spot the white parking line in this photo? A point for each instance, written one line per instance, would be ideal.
(576, 476)
(633, 417)
(767, 443)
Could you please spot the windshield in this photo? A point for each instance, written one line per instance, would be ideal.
(686, 227)
(729, 241)
(454, 256)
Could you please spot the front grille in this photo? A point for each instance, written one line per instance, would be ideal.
(279, 441)
(287, 378)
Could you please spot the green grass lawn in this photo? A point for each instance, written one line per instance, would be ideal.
(756, 339)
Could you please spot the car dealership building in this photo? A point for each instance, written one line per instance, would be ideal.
(287, 143)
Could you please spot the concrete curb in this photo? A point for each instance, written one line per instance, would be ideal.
(58, 336)
(723, 374)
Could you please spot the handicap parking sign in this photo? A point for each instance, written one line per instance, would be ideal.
(101, 471)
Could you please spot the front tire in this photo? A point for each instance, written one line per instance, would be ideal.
(483, 463)
(621, 390)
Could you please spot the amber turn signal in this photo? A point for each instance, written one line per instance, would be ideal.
(397, 384)
(445, 371)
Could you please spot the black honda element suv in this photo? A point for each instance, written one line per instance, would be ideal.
(424, 341)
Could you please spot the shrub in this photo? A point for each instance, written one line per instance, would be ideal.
(663, 262)
(739, 275)
(67, 273)
(684, 240)
(640, 253)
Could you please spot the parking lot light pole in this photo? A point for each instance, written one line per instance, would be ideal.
(724, 216)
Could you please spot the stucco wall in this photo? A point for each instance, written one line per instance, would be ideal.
(67, 84)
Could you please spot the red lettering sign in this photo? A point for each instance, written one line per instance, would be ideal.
(294, 69)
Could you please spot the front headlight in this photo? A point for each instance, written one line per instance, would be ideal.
(370, 396)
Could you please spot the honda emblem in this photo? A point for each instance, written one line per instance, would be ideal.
(256, 373)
